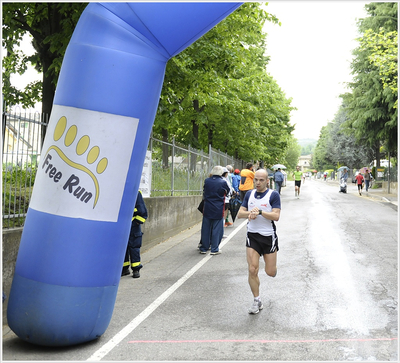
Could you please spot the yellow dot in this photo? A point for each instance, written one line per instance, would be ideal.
(60, 128)
(93, 154)
(102, 165)
(71, 134)
(82, 145)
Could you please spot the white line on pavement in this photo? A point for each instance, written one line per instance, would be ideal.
(113, 342)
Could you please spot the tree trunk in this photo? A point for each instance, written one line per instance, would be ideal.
(165, 149)
(378, 154)
(210, 135)
(193, 156)
(48, 90)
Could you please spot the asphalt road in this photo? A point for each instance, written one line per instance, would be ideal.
(334, 298)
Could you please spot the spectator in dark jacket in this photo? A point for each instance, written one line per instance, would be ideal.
(278, 177)
(212, 229)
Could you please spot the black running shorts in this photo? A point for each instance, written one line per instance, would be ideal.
(297, 183)
(264, 245)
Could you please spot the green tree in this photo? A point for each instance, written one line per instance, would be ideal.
(307, 149)
(383, 49)
(50, 25)
(343, 147)
(292, 153)
(372, 107)
(337, 146)
(321, 158)
(217, 91)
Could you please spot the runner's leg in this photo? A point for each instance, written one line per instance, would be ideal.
(253, 261)
(270, 264)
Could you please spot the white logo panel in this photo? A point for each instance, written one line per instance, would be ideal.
(84, 164)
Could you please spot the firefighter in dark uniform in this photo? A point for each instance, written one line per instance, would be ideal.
(135, 239)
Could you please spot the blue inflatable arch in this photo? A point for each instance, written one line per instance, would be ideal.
(74, 240)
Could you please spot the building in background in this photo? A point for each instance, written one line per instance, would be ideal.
(304, 162)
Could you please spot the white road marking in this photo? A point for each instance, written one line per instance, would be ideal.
(113, 342)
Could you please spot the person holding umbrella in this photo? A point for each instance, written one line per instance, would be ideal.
(345, 175)
(262, 207)
(278, 177)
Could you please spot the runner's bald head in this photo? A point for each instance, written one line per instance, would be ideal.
(261, 172)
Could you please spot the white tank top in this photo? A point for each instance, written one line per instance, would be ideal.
(261, 225)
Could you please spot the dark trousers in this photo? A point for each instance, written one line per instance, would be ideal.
(278, 186)
(133, 249)
(212, 231)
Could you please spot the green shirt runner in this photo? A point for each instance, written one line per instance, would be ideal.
(298, 175)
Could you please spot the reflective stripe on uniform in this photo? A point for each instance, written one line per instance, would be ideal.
(139, 218)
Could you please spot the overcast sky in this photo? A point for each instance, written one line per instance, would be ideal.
(311, 55)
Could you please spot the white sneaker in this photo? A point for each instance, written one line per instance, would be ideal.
(256, 307)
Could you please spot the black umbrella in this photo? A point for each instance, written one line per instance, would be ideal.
(234, 206)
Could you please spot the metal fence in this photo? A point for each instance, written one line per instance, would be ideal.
(181, 170)
(176, 169)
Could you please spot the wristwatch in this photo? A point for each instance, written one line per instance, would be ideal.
(260, 212)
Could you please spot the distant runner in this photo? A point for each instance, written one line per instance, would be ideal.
(297, 181)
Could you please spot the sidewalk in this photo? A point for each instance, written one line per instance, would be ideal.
(372, 193)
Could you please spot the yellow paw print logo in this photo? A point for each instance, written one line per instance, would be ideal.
(82, 147)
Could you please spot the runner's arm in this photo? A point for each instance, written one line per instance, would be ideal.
(243, 212)
(273, 215)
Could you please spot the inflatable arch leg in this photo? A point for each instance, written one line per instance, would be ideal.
(73, 244)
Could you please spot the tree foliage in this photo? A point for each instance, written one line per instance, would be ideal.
(337, 147)
(371, 105)
(50, 25)
(215, 92)
(383, 49)
(218, 92)
(292, 154)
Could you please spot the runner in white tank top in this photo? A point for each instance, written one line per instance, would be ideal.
(262, 208)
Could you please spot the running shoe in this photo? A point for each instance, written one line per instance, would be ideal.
(215, 253)
(256, 307)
